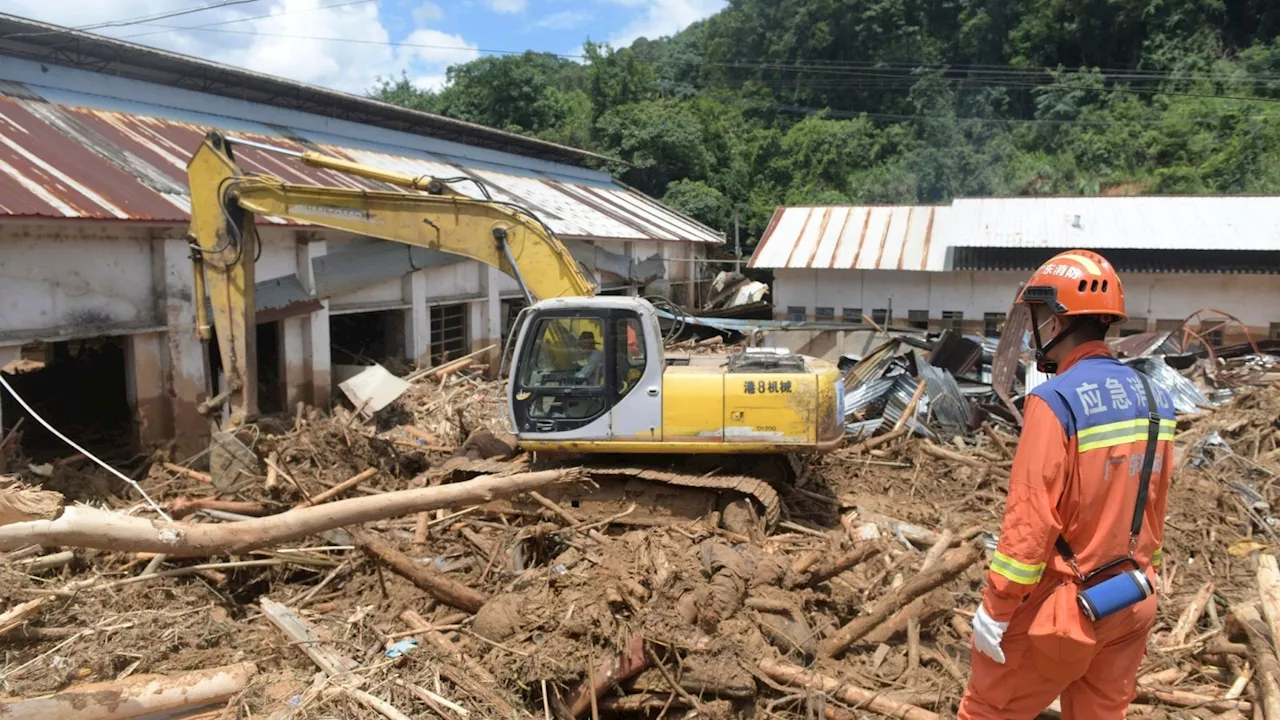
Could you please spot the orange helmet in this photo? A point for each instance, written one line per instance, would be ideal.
(1077, 282)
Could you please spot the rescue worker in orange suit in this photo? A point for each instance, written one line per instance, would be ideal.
(1076, 474)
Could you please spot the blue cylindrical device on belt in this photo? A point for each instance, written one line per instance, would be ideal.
(1115, 594)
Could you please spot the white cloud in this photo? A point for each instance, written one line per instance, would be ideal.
(427, 13)
(290, 43)
(563, 20)
(660, 18)
(506, 6)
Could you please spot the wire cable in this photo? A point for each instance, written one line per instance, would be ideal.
(36, 416)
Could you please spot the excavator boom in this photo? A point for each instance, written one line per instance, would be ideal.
(224, 198)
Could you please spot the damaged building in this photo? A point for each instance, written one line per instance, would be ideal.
(959, 267)
(97, 314)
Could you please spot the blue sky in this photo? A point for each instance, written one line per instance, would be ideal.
(347, 44)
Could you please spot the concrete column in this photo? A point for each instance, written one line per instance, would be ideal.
(185, 363)
(315, 326)
(293, 356)
(490, 329)
(145, 367)
(417, 319)
(8, 353)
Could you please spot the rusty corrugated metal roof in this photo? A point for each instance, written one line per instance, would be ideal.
(854, 238)
(63, 160)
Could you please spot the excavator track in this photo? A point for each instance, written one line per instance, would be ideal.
(660, 495)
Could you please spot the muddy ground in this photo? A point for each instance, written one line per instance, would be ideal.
(700, 606)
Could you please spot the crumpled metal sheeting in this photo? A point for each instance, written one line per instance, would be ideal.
(867, 395)
(947, 402)
(1187, 398)
(904, 388)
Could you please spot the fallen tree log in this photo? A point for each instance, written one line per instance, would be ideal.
(90, 528)
(436, 584)
(134, 696)
(948, 568)
(796, 676)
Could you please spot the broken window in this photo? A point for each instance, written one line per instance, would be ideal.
(880, 316)
(1133, 326)
(448, 333)
(1274, 332)
(82, 388)
(918, 319)
(358, 337)
(795, 313)
(851, 315)
(992, 324)
(825, 314)
(953, 320)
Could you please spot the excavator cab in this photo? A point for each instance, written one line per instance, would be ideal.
(587, 369)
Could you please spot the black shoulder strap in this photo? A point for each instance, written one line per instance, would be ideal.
(1144, 481)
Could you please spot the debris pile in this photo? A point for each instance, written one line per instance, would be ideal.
(331, 599)
(953, 384)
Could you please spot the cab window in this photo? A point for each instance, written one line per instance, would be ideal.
(567, 353)
(631, 353)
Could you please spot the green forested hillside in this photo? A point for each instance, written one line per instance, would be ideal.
(828, 101)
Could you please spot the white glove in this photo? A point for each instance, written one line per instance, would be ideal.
(987, 634)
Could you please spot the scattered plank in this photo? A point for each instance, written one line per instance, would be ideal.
(18, 614)
(338, 489)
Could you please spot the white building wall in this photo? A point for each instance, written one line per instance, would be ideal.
(1254, 299)
(71, 279)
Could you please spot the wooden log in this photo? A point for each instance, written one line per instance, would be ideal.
(437, 585)
(1269, 593)
(829, 570)
(22, 503)
(451, 366)
(35, 565)
(947, 569)
(338, 489)
(796, 676)
(923, 609)
(188, 472)
(135, 696)
(185, 506)
(632, 661)
(1182, 698)
(876, 441)
(1266, 669)
(90, 528)
(1191, 615)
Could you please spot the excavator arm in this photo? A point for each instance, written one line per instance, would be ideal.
(224, 200)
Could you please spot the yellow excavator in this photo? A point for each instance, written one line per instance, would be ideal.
(589, 375)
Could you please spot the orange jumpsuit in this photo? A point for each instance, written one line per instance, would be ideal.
(1075, 473)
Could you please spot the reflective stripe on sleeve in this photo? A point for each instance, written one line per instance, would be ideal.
(1156, 557)
(1014, 571)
